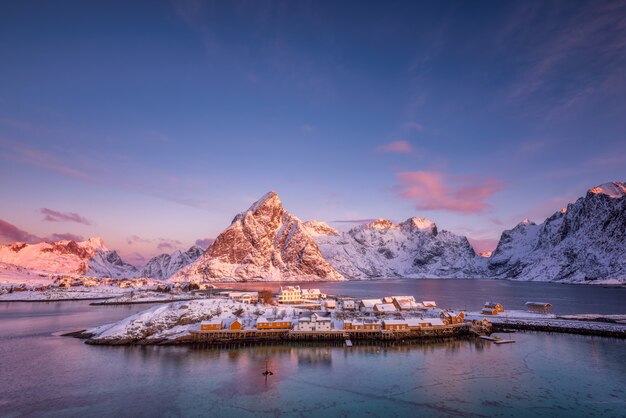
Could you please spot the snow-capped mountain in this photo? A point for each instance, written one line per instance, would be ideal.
(89, 257)
(382, 249)
(584, 242)
(165, 265)
(263, 243)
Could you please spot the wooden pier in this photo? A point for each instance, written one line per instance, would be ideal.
(254, 335)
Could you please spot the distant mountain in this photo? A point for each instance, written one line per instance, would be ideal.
(89, 257)
(264, 243)
(382, 249)
(164, 265)
(584, 242)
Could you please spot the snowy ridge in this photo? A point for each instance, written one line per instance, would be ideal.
(586, 242)
(89, 257)
(381, 249)
(165, 265)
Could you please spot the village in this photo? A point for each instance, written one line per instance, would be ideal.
(317, 316)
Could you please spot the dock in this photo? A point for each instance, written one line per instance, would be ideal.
(346, 336)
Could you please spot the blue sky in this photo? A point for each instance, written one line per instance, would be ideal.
(156, 122)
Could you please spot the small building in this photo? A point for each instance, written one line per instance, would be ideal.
(315, 322)
(385, 308)
(236, 325)
(395, 325)
(213, 325)
(330, 304)
(244, 297)
(361, 325)
(539, 307)
(405, 303)
(347, 304)
(263, 323)
(311, 294)
(492, 308)
(367, 305)
(416, 323)
(452, 317)
(429, 304)
(290, 294)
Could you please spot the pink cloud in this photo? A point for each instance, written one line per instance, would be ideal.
(55, 216)
(434, 190)
(10, 233)
(398, 147)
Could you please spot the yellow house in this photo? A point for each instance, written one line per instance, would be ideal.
(263, 323)
(236, 325)
(214, 325)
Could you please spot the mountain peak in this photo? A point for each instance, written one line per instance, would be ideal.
(379, 224)
(418, 224)
(96, 243)
(268, 199)
(613, 189)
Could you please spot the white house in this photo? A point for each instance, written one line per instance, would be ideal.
(330, 303)
(315, 322)
(347, 304)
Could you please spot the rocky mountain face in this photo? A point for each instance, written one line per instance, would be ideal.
(382, 249)
(165, 265)
(89, 257)
(581, 243)
(263, 243)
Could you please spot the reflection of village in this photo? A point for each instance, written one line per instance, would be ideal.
(317, 316)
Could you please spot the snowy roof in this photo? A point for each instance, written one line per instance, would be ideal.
(236, 294)
(544, 304)
(429, 303)
(369, 303)
(395, 322)
(399, 298)
(212, 322)
(385, 307)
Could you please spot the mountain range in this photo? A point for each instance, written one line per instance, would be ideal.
(583, 243)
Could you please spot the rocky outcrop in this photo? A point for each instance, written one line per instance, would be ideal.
(584, 242)
(382, 249)
(264, 243)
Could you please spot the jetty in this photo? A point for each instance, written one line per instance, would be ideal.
(256, 335)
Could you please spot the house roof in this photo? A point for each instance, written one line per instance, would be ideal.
(395, 322)
(429, 303)
(369, 303)
(212, 322)
(385, 307)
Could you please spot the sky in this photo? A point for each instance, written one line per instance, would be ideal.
(152, 124)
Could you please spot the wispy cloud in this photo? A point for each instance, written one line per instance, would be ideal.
(433, 190)
(414, 126)
(56, 216)
(204, 242)
(65, 236)
(482, 245)
(396, 147)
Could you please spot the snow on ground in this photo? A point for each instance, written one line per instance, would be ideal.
(513, 314)
(75, 293)
(150, 297)
(177, 319)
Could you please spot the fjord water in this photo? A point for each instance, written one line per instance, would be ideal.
(542, 374)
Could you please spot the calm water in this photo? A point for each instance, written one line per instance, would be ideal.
(43, 374)
(472, 294)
